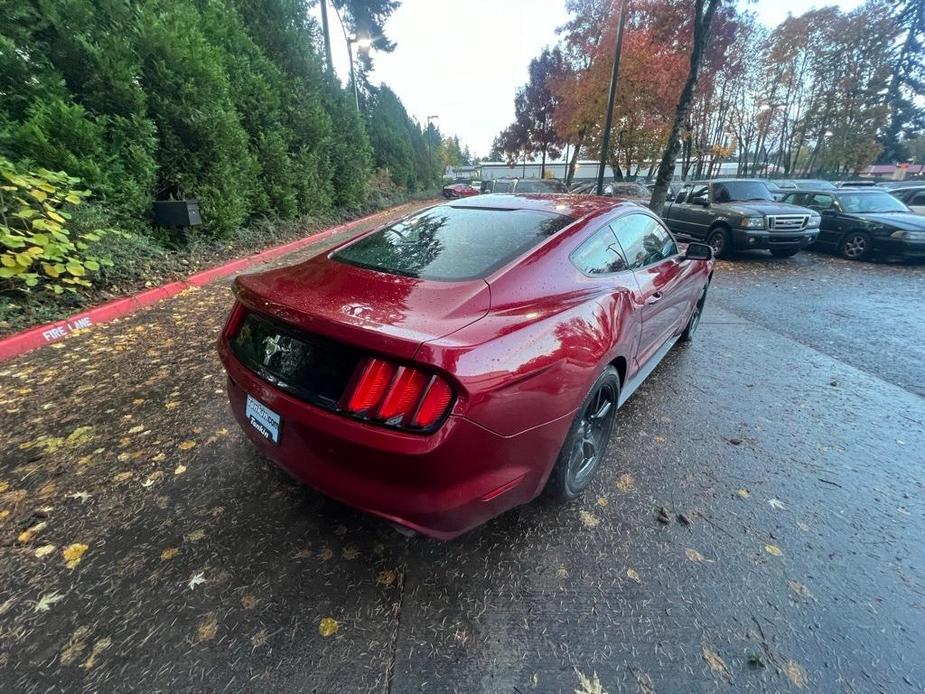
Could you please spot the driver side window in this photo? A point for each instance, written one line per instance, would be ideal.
(644, 240)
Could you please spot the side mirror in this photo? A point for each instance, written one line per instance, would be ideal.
(698, 251)
(700, 200)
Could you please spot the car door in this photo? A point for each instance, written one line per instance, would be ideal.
(830, 225)
(652, 255)
(677, 215)
(699, 214)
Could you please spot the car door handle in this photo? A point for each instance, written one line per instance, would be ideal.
(654, 299)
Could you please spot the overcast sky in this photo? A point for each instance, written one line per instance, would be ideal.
(463, 59)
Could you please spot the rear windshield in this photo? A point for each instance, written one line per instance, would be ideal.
(452, 243)
(526, 186)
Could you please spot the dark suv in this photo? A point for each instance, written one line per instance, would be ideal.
(740, 214)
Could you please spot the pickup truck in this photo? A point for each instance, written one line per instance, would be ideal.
(740, 214)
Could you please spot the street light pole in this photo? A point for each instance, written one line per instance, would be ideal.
(605, 144)
(430, 154)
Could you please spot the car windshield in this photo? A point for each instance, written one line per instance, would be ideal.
(633, 190)
(729, 191)
(855, 203)
(528, 186)
(452, 243)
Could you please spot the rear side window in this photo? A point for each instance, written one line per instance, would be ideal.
(502, 187)
(452, 243)
(643, 239)
(525, 186)
(599, 255)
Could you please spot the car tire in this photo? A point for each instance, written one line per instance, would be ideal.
(855, 246)
(694, 322)
(784, 253)
(719, 240)
(586, 442)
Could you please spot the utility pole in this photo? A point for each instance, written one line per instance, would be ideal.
(327, 35)
(605, 145)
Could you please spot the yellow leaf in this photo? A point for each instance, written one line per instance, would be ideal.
(208, 628)
(76, 269)
(39, 195)
(694, 555)
(172, 405)
(50, 270)
(3, 486)
(169, 553)
(248, 602)
(328, 627)
(26, 535)
(74, 553)
(773, 550)
(195, 536)
(180, 470)
(625, 482)
(744, 493)
(98, 648)
(716, 663)
(602, 501)
(44, 551)
(633, 576)
(589, 520)
(795, 673)
(186, 445)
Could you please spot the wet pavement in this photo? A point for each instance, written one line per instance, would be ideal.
(145, 546)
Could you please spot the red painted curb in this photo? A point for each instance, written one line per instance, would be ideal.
(30, 339)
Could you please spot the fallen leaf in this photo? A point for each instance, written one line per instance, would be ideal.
(172, 405)
(195, 536)
(74, 647)
(73, 553)
(260, 638)
(207, 628)
(44, 551)
(196, 580)
(350, 552)
(803, 526)
(625, 482)
(79, 496)
(123, 476)
(180, 469)
(4, 486)
(633, 576)
(186, 445)
(248, 602)
(589, 520)
(716, 663)
(325, 554)
(137, 429)
(684, 519)
(799, 589)
(694, 555)
(602, 501)
(744, 493)
(773, 550)
(328, 627)
(98, 648)
(795, 673)
(386, 577)
(644, 682)
(152, 479)
(169, 553)
(562, 571)
(663, 516)
(46, 601)
(776, 504)
(27, 534)
(589, 685)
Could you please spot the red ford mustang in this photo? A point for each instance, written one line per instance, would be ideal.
(459, 190)
(450, 366)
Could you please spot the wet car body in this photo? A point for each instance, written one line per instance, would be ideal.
(862, 223)
(519, 348)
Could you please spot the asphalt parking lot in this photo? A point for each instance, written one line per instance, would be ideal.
(145, 546)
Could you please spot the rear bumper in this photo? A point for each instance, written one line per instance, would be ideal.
(761, 239)
(441, 484)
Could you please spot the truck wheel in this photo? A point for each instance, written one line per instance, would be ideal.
(719, 240)
(855, 246)
(784, 252)
(586, 442)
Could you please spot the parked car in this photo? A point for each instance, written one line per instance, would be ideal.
(583, 188)
(524, 185)
(813, 184)
(452, 365)
(459, 190)
(628, 190)
(740, 214)
(912, 196)
(856, 183)
(861, 223)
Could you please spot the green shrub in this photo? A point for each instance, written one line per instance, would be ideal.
(38, 250)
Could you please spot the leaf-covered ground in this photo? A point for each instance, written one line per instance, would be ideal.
(758, 525)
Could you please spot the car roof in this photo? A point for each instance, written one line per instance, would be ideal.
(844, 190)
(566, 204)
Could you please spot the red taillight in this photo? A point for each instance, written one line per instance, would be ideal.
(403, 395)
(371, 387)
(400, 395)
(434, 404)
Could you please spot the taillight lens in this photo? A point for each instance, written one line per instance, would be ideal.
(400, 395)
(434, 404)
